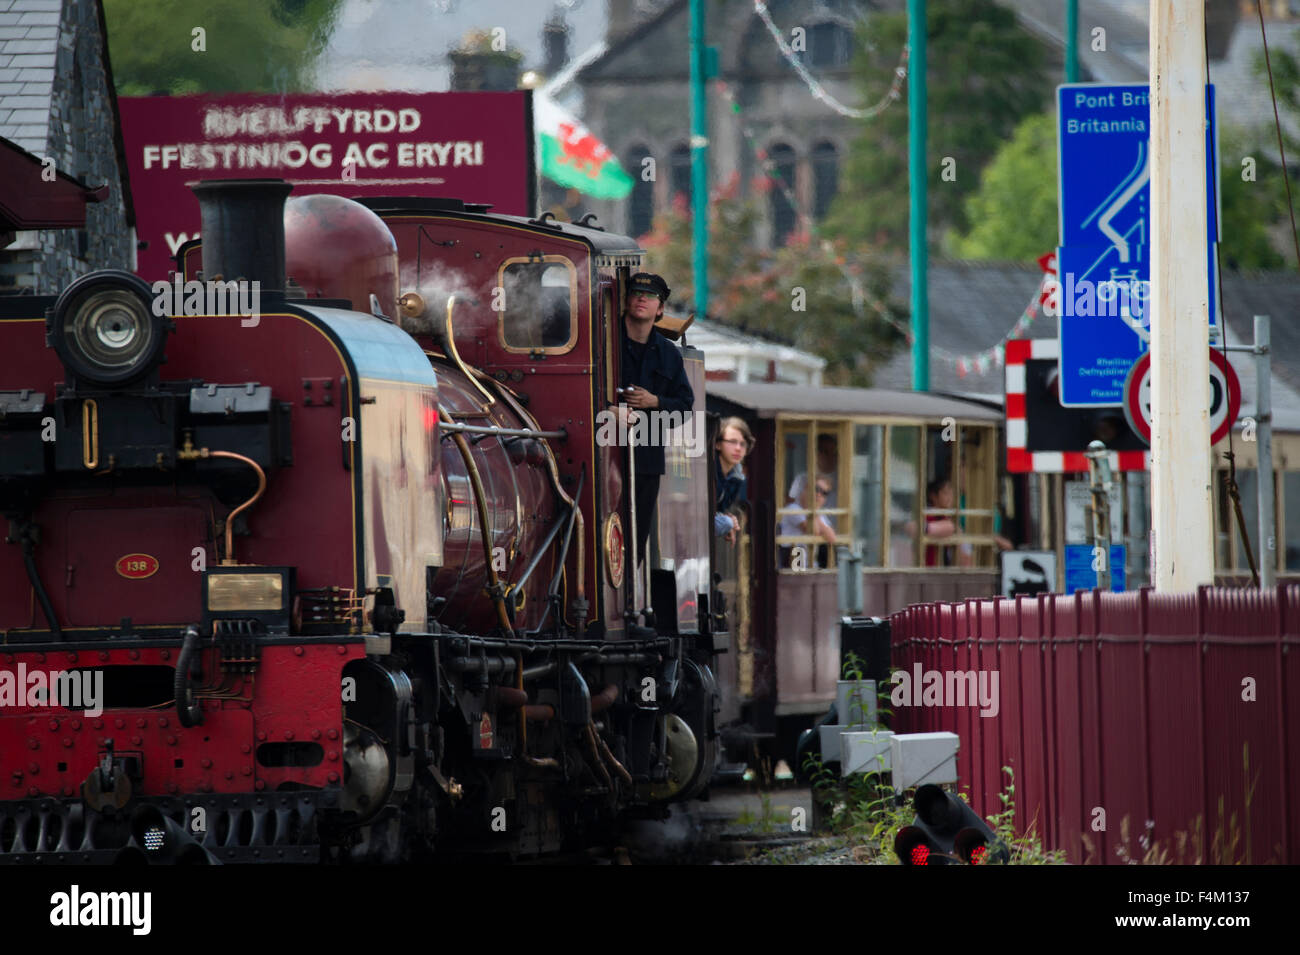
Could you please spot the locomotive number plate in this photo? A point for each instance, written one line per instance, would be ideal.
(137, 566)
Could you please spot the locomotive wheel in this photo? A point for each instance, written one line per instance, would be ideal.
(683, 759)
(699, 692)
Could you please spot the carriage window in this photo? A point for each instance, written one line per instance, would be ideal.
(960, 516)
(538, 302)
(868, 491)
(904, 494)
(873, 495)
(814, 517)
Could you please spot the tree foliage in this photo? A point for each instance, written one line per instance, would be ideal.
(1267, 195)
(1013, 215)
(985, 74)
(246, 45)
(803, 294)
(1252, 208)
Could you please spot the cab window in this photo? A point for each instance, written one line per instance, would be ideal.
(536, 298)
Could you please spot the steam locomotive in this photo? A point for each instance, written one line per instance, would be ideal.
(347, 576)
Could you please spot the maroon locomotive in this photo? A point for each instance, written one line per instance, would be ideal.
(347, 574)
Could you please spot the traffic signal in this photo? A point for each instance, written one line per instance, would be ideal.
(946, 831)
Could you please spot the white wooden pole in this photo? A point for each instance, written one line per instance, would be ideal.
(1181, 507)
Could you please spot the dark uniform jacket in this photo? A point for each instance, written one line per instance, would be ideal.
(731, 486)
(661, 372)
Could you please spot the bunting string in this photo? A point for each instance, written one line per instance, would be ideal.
(820, 92)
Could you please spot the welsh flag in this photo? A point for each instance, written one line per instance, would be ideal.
(572, 156)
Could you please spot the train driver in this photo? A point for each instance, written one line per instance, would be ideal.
(654, 379)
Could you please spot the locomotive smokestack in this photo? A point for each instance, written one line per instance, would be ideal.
(243, 230)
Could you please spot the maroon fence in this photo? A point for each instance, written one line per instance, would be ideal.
(1137, 725)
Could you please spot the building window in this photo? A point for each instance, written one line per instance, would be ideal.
(904, 490)
(830, 45)
(641, 204)
(782, 159)
(826, 177)
(679, 176)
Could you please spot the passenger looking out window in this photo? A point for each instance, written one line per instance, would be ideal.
(734, 442)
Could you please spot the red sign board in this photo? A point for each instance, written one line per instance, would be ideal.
(472, 146)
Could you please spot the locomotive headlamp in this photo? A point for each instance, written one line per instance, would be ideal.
(104, 329)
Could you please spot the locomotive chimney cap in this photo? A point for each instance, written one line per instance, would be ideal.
(243, 229)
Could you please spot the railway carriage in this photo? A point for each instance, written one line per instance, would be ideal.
(876, 452)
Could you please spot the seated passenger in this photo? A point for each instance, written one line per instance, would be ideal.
(828, 458)
(793, 524)
(938, 494)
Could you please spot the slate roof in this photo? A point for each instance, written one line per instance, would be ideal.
(29, 65)
(972, 306)
(29, 46)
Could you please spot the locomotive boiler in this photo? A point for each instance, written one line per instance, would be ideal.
(347, 577)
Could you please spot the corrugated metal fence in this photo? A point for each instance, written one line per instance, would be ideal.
(1173, 718)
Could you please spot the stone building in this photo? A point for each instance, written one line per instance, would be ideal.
(635, 99)
(57, 103)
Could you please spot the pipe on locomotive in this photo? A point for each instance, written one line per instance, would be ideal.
(580, 595)
(190, 453)
(449, 348)
(412, 304)
(504, 432)
(476, 482)
(525, 711)
(552, 590)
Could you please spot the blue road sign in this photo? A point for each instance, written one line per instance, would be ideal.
(1079, 574)
(1104, 321)
(1103, 264)
(1104, 164)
